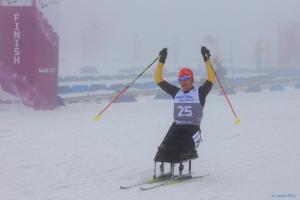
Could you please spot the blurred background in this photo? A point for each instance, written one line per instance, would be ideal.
(250, 41)
(114, 34)
(104, 44)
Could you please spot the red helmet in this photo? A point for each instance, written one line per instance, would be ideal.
(186, 74)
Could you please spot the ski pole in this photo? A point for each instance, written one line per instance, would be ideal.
(237, 120)
(124, 90)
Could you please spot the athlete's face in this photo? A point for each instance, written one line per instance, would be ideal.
(186, 84)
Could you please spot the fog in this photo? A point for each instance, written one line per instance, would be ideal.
(111, 34)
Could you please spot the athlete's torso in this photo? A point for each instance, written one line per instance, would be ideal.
(187, 108)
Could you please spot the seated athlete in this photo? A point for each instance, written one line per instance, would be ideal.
(184, 136)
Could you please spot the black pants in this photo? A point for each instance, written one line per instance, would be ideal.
(178, 145)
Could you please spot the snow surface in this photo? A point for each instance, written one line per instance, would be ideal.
(65, 155)
(4, 96)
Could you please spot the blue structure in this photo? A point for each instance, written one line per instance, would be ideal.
(253, 89)
(148, 85)
(80, 88)
(277, 88)
(116, 87)
(162, 95)
(64, 89)
(98, 87)
(127, 98)
(136, 86)
(131, 76)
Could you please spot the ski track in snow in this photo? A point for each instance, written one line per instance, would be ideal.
(65, 155)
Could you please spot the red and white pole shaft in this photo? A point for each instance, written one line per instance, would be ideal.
(124, 90)
(237, 119)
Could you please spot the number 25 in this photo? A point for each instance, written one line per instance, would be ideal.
(185, 111)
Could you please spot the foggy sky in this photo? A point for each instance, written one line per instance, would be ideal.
(103, 31)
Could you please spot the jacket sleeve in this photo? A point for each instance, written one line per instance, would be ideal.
(206, 87)
(164, 85)
(210, 72)
(204, 90)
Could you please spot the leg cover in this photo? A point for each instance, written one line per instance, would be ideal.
(178, 145)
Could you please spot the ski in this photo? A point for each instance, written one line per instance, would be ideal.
(151, 181)
(172, 181)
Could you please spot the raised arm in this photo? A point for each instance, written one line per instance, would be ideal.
(210, 72)
(158, 76)
(211, 78)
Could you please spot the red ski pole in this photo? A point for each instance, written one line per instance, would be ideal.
(237, 119)
(124, 90)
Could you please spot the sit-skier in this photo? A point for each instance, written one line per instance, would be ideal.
(184, 136)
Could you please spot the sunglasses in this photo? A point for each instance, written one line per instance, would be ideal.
(184, 78)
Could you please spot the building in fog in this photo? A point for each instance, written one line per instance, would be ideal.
(289, 45)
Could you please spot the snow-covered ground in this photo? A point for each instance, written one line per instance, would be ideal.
(65, 155)
(4, 96)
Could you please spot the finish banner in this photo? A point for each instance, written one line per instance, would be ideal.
(29, 51)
